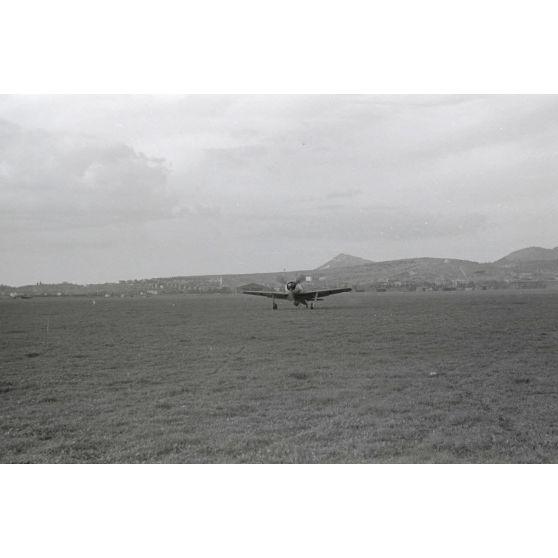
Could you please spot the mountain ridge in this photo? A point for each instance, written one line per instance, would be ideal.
(360, 272)
(530, 254)
(343, 260)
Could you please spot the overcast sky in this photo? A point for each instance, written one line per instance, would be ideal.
(101, 188)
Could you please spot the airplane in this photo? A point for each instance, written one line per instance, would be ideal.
(297, 295)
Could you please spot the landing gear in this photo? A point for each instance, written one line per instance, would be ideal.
(311, 306)
(274, 305)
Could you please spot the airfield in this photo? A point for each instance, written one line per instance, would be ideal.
(436, 377)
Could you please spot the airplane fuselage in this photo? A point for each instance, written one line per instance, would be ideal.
(294, 293)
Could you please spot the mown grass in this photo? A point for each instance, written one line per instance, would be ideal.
(414, 377)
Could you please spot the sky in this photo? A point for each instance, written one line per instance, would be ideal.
(103, 188)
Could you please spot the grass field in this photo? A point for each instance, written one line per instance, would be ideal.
(409, 377)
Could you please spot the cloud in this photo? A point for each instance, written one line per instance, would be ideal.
(331, 223)
(244, 182)
(349, 193)
(79, 179)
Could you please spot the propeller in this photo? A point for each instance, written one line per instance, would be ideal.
(284, 280)
(292, 285)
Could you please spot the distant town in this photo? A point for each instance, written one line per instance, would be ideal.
(529, 268)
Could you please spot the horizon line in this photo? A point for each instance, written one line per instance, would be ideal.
(300, 270)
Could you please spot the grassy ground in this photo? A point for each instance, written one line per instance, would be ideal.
(413, 377)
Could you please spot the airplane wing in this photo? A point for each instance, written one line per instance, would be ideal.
(313, 295)
(268, 294)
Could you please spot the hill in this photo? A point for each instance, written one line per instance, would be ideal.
(343, 260)
(416, 270)
(530, 267)
(531, 254)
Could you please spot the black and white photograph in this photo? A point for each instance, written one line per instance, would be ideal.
(278, 279)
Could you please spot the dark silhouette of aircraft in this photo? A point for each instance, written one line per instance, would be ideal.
(297, 295)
